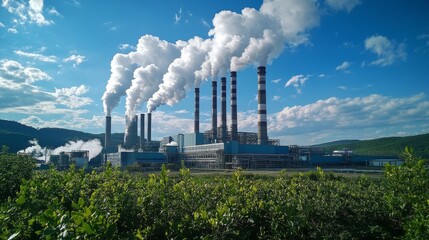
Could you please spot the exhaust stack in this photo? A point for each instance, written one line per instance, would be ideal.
(214, 110)
(149, 127)
(108, 133)
(197, 111)
(262, 107)
(130, 140)
(234, 106)
(142, 130)
(223, 108)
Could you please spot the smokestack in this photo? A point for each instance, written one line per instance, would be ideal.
(141, 130)
(108, 134)
(197, 111)
(214, 110)
(262, 107)
(130, 140)
(234, 106)
(223, 108)
(149, 127)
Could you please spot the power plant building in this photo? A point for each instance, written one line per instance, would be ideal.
(215, 148)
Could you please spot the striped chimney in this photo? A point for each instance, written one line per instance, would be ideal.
(234, 106)
(223, 108)
(262, 107)
(197, 111)
(214, 110)
(141, 130)
(108, 133)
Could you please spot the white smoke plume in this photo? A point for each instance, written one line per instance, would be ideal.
(127, 67)
(237, 40)
(35, 150)
(181, 74)
(93, 146)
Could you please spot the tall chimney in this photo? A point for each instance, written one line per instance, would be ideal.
(214, 110)
(108, 134)
(223, 108)
(197, 111)
(141, 130)
(234, 106)
(149, 127)
(262, 107)
(135, 130)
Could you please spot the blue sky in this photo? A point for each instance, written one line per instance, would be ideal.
(340, 69)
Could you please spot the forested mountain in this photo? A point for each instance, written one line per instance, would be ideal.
(17, 136)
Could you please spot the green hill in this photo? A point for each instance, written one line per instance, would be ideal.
(389, 146)
(17, 136)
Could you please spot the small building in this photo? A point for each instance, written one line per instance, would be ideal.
(383, 162)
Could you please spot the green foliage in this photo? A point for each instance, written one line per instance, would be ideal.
(13, 168)
(121, 205)
(408, 195)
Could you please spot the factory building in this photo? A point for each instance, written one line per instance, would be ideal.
(215, 148)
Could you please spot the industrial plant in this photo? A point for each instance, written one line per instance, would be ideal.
(217, 148)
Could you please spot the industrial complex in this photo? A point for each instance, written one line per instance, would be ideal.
(219, 147)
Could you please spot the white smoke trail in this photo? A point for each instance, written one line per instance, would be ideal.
(150, 51)
(181, 74)
(146, 79)
(237, 40)
(93, 146)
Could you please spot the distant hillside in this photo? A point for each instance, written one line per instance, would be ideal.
(17, 136)
(336, 143)
(390, 146)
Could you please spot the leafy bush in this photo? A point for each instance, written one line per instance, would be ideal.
(122, 205)
(13, 168)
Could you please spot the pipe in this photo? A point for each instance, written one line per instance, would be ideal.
(108, 133)
(223, 108)
(149, 127)
(234, 106)
(262, 107)
(214, 110)
(197, 111)
(142, 130)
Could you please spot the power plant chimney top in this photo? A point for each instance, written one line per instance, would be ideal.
(233, 74)
(261, 70)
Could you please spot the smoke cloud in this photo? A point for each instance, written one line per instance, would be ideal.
(93, 146)
(162, 73)
(138, 69)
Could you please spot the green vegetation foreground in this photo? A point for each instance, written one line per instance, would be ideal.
(118, 205)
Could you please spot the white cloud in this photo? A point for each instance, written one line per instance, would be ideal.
(76, 59)
(343, 4)
(31, 11)
(2, 25)
(181, 111)
(343, 66)
(388, 51)
(72, 97)
(342, 87)
(297, 81)
(205, 23)
(125, 46)
(178, 16)
(111, 26)
(276, 98)
(12, 30)
(14, 71)
(351, 113)
(18, 94)
(37, 56)
(276, 80)
(53, 11)
(322, 75)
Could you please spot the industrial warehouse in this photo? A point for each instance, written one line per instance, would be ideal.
(217, 148)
